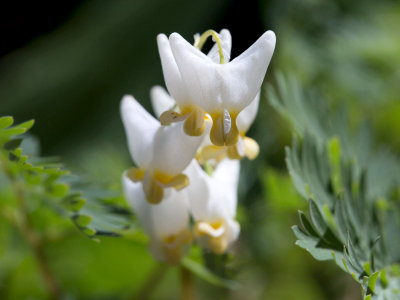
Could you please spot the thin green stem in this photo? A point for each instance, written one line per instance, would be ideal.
(187, 284)
(27, 231)
(200, 43)
(152, 281)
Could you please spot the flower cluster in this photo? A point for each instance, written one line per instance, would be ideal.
(187, 163)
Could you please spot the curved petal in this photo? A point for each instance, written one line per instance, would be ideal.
(225, 181)
(198, 191)
(213, 197)
(140, 129)
(161, 101)
(200, 74)
(251, 66)
(246, 116)
(231, 86)
(226, 43)
(136, 198)
(173, 149)
(171, 216)
(172, 75)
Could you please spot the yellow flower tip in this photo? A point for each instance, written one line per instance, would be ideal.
(251, 148)
(154, 193)
(214, 234)
(195, 122)
(170, 116)
(135, 174)
(224, 131)
(177, 182)
(173, 244)
(211, 152)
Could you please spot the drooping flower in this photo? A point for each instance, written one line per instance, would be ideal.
(222, 89)
(189, 111)
(167, 223)
(161, 153)
(213, 202)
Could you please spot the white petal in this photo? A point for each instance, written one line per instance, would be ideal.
(173, 149)
(136, 198)
(201, 76)
(225, 180)
(161, 101)
(213, 198)
(251, 66)
(246, 116)
(172, 75)
(230, 86)
(140, 129)
(226, 43)
(171, 216)
(233, 230)
(198, 191)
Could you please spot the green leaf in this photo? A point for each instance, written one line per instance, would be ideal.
(205, 274)
(372, 281)
(83, 220)
(316, 218)
(6, 122)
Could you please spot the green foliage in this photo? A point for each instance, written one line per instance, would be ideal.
(351, 188)
(35, 181)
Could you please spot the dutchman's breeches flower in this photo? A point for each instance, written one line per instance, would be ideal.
(161, 153)
(213, 202)
(167, 223)
(221, 89)
(188, 111)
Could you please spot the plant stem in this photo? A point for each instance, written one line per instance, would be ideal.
(187, 287)
(154, 278)
(27, 231)
(37, 247)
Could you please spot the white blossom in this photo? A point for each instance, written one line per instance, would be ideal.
(161, 153)
(189, 111)
(222, 90)
(166, 223)
(213, 202)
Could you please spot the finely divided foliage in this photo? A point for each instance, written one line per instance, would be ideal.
(30, 183)
(352, 189)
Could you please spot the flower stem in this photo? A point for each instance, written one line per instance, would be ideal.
(149, 285)
(200, 42)
(187, 287)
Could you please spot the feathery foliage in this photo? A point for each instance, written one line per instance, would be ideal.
(352, 188)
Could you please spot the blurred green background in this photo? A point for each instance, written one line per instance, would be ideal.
(68, 67)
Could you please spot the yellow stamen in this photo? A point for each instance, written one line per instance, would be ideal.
(172, 245)
(214, 233)
(199, 42)
(224, 131)
(195, 123)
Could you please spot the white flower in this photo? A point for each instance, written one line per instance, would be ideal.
(213, 201)
(161, 153)
(222, 90)
(188, 110)
(167, 223)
